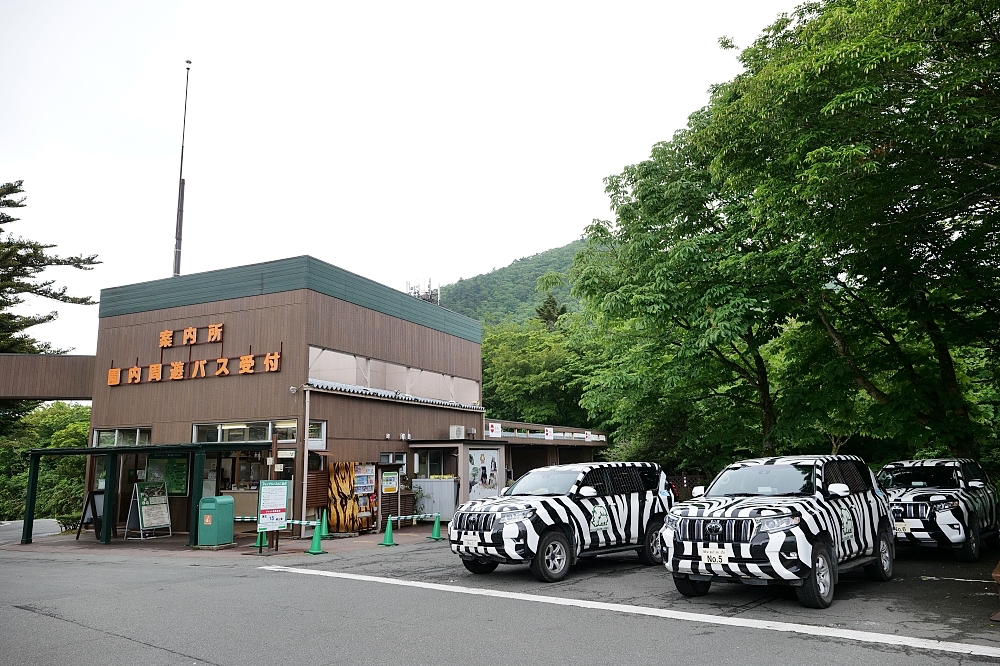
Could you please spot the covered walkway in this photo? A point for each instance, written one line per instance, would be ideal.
(111, 454)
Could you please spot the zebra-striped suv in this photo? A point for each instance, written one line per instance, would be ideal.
(948, 502)
(795, 520)
(552, 516)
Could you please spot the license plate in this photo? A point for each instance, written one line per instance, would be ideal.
(710, 555)
(902, 528)
(470, 540)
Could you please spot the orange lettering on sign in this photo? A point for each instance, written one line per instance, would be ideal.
(222, 368)
(166, 339)
(154, 372)
(215, 332)
(177, 370)
(190, 336)
(196, 367)
(114, 376)
(271, 362)
(246, 364)
(134, 375)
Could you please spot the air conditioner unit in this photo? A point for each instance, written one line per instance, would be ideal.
(456, 432)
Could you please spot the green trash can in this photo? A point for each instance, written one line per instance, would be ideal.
(215, 521)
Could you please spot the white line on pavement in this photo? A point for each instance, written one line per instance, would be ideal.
(960, 580)
(789, 627)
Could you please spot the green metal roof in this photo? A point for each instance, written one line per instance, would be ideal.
(285, 275)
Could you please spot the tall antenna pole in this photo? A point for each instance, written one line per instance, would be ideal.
(180, 187)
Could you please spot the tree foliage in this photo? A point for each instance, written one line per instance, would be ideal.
(60, 479)
(812, 263)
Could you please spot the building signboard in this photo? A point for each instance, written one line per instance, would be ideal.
(390, 483)
(246, 364)
(172, 470)
(496, 430)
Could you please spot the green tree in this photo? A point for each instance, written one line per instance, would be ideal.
(529, 374)
(550, 311)
(21, 263)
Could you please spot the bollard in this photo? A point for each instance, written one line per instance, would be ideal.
(436, 530)
(387, 541)
(324, 532)
(316, 547)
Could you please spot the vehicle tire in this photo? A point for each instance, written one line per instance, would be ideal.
(481, 566)
(884, 555)
(817, 590)
(652, 550)
(969, 552)
(551, 560)
(692, 588)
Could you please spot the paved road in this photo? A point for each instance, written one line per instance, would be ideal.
(10, 532)
(63, 601)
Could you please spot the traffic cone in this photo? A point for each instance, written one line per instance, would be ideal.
(324, 531)
(261, 540)
(316, 548)
(387, 541)
(436, 531)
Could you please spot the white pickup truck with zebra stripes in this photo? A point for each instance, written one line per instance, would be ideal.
(793, 520)
(552, 516)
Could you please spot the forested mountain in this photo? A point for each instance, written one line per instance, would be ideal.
(508, 293)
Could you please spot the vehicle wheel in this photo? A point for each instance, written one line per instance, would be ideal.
(817, 590)
(884, 554)
(652, 549)
(481, 566)
(551, 560)
(969, 552)
(692, 588)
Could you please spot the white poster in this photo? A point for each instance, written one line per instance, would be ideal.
(550, 433)
(483, 473)
(495, 430)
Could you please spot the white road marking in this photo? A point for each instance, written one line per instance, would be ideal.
(788, 627)
(960, 580)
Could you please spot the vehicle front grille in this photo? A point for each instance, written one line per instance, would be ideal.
(474, 521)
(903, 510)
(734, 530)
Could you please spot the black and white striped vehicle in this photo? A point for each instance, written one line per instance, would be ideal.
(948, 502)
(552, 516)
(793, 520)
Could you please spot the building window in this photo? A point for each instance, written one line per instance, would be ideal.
(122, 437)
(257, 431)
(399, 458)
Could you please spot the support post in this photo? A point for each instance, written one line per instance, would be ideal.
(29, 501)
(108, 519)
(197, 471)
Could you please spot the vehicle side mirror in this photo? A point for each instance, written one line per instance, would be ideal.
(588, 491)
(697, 491)
(976, 484)
(839, 489)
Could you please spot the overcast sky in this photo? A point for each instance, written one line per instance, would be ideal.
(404, 141)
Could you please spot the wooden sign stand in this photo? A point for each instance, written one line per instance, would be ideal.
(90, 514)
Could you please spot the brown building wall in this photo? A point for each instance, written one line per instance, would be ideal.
(46, 377)
(343, 326)
(268, 323)
(357, 426)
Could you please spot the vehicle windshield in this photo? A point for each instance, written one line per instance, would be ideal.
(544, 482)
(919, 477)
(764, 480)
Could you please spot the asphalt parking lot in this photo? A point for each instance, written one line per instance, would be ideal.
(158, 602)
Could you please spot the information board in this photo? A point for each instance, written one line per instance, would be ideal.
(154, 511)
(272, 505)
(390, 482)
(172, 470)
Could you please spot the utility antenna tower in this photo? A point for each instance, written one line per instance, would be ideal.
(180, 187)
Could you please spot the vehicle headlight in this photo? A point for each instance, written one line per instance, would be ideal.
(671, 521)
(514, 516)
(777, 523)
(947, 505)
